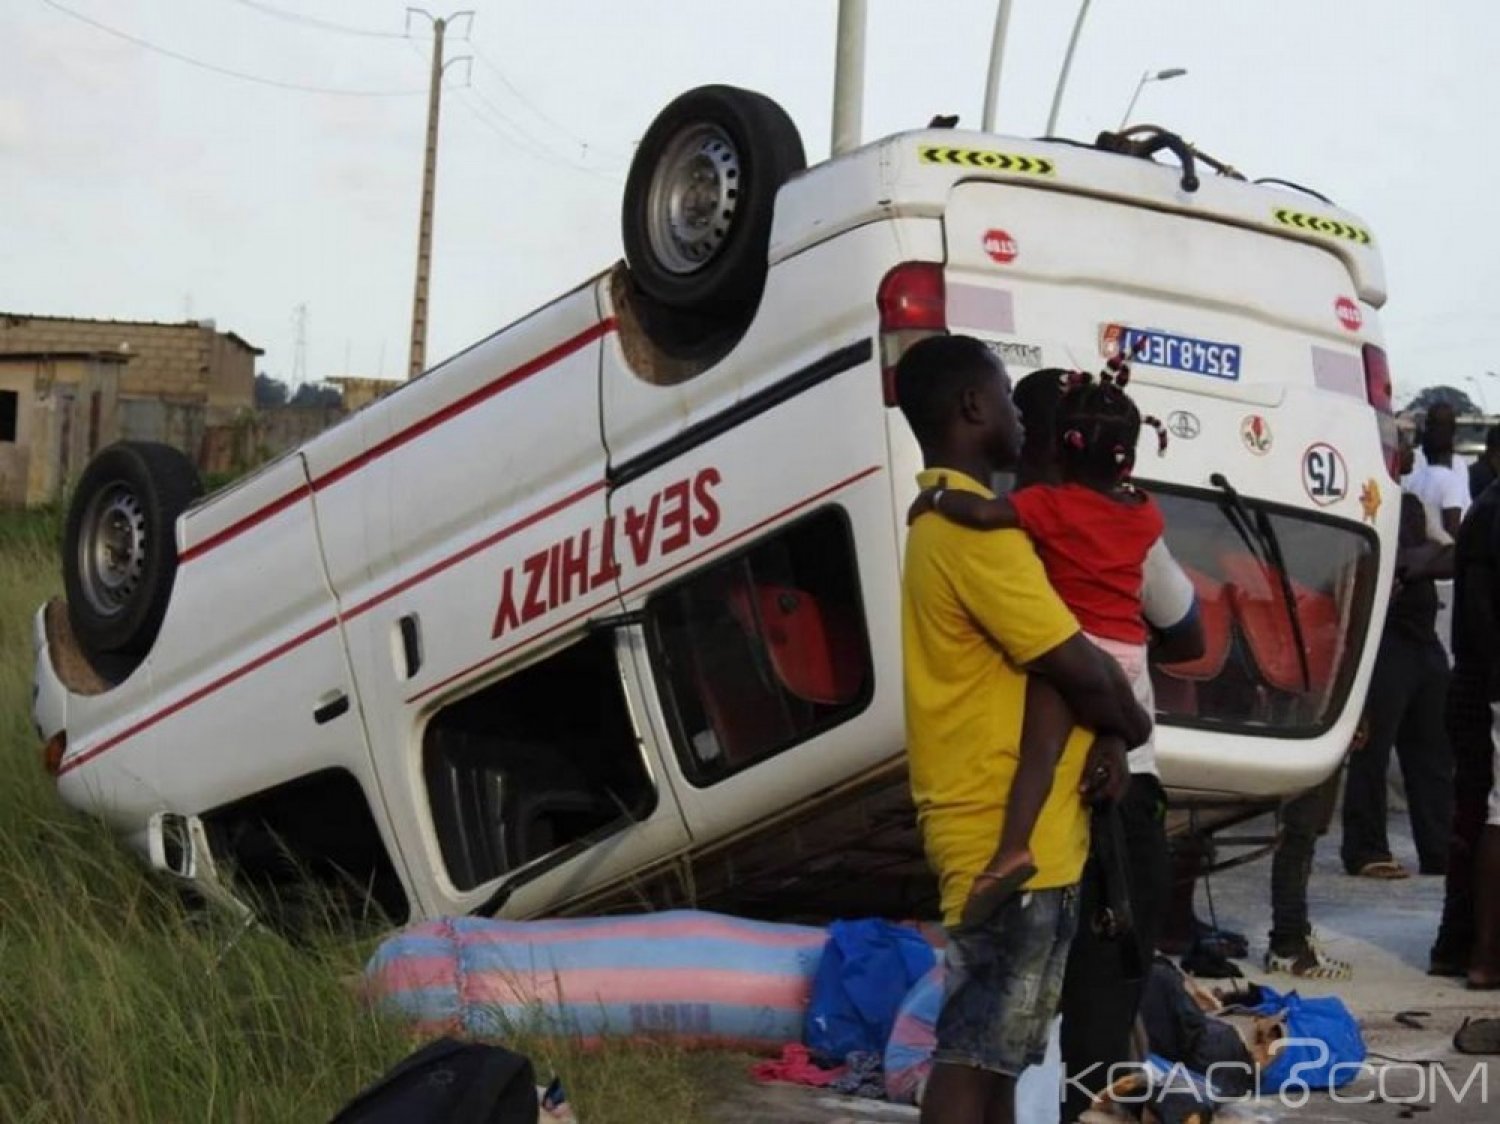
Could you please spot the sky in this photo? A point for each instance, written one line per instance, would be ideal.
(137, 186)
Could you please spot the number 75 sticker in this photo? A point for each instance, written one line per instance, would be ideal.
(1325, 477)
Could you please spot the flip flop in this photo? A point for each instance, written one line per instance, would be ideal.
(990, 893)
(1478, 1036)
(1388, 870)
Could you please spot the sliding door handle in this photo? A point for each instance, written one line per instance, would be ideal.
(331, 707)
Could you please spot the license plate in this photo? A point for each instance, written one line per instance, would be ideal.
(1175, 353)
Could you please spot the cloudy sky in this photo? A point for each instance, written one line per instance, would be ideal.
(136, 186)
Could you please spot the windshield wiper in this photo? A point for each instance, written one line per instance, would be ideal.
(1270, 556)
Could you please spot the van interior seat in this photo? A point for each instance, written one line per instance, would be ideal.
(815, 652)
(1214, 611)
(1260, 609)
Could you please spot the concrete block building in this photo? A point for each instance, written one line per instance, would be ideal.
(191, 362)
(57, 409)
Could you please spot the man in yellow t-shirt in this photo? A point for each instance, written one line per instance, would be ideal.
(987, 642)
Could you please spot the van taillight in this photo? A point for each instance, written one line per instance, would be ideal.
(54, 752)
(1379, 392)
(912, 300)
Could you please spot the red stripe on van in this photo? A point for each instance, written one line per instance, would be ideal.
(410, 433)
(201, 693)
(652, 580)
(474, 548)
(275, 653)
(87, 755)
(253, 519)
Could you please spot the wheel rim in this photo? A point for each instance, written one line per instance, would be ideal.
(112, 549)
(694, 195)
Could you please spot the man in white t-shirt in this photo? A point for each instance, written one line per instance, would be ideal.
(1440, 481)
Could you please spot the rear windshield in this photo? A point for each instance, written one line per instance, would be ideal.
(1285, 599)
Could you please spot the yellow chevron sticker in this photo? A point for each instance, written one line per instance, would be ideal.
(986, 160)
(1316, 224)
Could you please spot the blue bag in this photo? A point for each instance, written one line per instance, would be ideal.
(1325, 1048)
(866, 970)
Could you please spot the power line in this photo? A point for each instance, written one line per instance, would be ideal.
(514, 134)
(315, 22)
(536, 147)
(227, 72)
(517, 142)
(524, 100)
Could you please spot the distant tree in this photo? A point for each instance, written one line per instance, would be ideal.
(269, 392)
(317, 396)
(1430, 396)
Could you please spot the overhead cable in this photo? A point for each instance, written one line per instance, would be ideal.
(227, 72)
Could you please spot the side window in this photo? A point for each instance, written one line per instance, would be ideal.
(545, 758)
(10, 403)
(764, 650)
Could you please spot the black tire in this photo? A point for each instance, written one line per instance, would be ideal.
(748, 147)
(120, 549)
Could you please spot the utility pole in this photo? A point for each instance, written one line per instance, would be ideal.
(848, 76)
(429, 181)
(299, 345)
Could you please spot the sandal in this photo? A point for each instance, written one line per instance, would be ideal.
(990, 893)
(1388, 870)
(1309, 963)
(1478, 1036)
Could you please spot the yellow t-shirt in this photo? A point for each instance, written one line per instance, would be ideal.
(975, 607)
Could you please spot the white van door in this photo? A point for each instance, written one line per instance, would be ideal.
(254, 684)
(467, 548)
(756, 546)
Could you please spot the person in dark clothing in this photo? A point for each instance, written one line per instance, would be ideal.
(1105, 977)
(1408, 692)
(1292, 948)
(1468, 939)
(1486, 468)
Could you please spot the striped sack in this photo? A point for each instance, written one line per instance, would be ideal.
(694, 977)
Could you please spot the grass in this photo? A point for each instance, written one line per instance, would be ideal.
(118, 1004)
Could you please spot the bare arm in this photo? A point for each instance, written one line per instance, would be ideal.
(967, 509)
(1180, 643)
(1452, 517)
(1430, 560)
(1095, 689)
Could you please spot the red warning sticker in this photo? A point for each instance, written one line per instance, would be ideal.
(1348, 313)
(1000, 246)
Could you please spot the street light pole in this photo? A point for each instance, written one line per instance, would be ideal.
(1148, 76)
(997, 57)
(1484, 401)
(849, 76)
(1062, 78)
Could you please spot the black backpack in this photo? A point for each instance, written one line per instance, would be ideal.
(450, 1082)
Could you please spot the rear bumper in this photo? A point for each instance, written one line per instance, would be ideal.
(49, 696)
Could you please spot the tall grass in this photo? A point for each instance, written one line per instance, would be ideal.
(118, 1004)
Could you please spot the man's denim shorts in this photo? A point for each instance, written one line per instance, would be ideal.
(1003, 983)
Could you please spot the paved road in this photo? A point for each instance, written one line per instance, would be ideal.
(1384, 928)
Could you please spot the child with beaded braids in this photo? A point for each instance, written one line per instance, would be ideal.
(1092, 530)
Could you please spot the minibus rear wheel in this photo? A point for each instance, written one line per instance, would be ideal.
(700, 196)
(120, 548)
